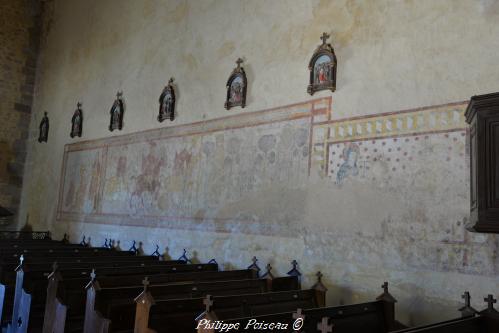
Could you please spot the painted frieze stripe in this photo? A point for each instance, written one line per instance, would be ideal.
(243, 120)
(435, 120)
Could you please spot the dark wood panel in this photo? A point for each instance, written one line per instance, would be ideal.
(483, 116)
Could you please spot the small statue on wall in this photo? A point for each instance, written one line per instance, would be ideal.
(77, 122)
(44, 128)
(167, 103)
(322, 68)
(117, 111)
(236, 87)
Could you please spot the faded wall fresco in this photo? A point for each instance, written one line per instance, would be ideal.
(380, 196)
(194, 176)
(399, 167)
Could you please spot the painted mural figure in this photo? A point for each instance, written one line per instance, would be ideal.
(323, 70)
(44, 129)
(77, 122)
(349, 166)
(236, 90)
(117, 111)
(167, 103)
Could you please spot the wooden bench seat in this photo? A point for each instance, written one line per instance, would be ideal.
(6, 243)
(458, 325)
(37, 254)
(31, 286)
(371, 317)
(8, 235)
(12, 275)
(66, 295)
(471, 321)
(180, 315)
(100, 257)
(9, 265)
(6, 248)
(115, 307)
(474, 324)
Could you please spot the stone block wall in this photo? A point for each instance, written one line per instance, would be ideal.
(19, 40)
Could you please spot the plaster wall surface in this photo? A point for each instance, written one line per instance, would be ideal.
(346, 182)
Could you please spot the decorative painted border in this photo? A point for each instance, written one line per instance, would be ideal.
(426, 120)
(319, 108)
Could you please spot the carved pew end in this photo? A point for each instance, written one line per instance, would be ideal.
(254, 266)
(207, 316)
(134, 249)
(65, 239)
(320, 290)
(85, 241)
(144, 302)
(324, 327)
(294, 271)
(467, 310)
(268, 273)
(156, 252)
(185, 258)
(490, 300)
(389, 305)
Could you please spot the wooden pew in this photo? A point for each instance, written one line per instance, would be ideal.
(45, 249)
(54, 251)
(10, 263)
(66, 296)
(40, 253)
(6, 248)
(375, 317)
(10, 245)
(47, 242)
(13, 275)
(72, 257)
(183, 312)
(96, 287)
(371, 317)
(63, 249)
(34, 285)
(180, 315)
(486, 321)
(459, 325)
(113, 308)
(7, 235)
(6, 243)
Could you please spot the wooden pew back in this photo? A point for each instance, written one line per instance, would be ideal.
(180, 315)
(32, 285)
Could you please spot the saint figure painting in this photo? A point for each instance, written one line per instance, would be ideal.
(167, 103)
(236, 87)
(116, 113)
(322, 68)
(77, 122)
(44, 129)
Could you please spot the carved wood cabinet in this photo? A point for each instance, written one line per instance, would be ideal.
(483, 116)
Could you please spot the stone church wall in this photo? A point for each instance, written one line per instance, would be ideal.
(19, 40)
